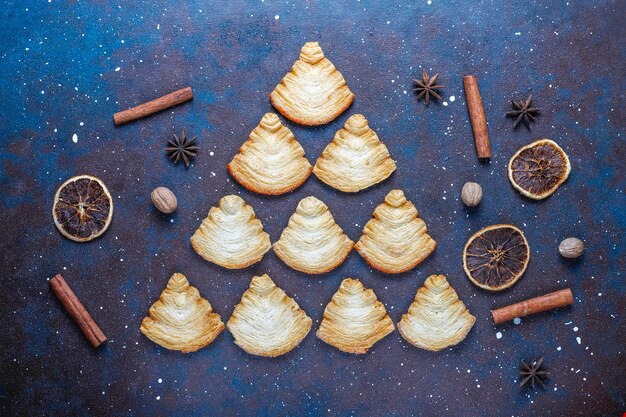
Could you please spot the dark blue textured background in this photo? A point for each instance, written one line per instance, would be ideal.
(66, 67)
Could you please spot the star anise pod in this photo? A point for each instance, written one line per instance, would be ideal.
(533, 373)
(181, 148)
(426, 87)
(523, 111)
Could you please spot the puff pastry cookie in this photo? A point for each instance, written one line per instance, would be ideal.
(181, 319)
(267, 322)
(395, 240)
(437, 318)
(354, 319)
(312, 242)
(314, 92)
(271, 161)
(355, 159)
(231, 236)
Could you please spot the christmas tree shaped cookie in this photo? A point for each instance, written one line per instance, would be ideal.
(312, 242)
(354, 319)
(271, 161)
(355, 159)
(437, 318)
(395, 240)
(314, 92)
(181, 319)
(267, 322)
(231, 236)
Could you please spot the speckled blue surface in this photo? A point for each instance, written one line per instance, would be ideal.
(66, 67)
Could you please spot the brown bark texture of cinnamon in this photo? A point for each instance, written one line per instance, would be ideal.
(77, 311)
(154, 106)
(477, 116)
(535, 305)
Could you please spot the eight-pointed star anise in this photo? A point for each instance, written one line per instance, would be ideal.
(523, 111)
(426, 87)
(533, 373)
(181, 148)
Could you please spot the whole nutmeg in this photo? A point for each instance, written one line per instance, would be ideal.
(571, 248)
(164, 200)
(471, 194)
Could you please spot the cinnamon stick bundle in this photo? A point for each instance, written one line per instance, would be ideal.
(477, 116)
(77, 311)
(535, 305)
(154, 106)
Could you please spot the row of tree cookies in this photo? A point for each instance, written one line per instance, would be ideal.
(395, 240)
(267, 322)
(273, 162)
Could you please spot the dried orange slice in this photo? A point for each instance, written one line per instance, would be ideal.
(82, 208)
(539, 168)
(495, 257)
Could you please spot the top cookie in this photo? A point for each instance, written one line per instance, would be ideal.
(314, 92)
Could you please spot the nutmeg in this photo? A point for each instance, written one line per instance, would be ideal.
(471, 194)
(164, 200)
(571, 248)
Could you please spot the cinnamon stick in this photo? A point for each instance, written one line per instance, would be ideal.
(477, 116)
(77, 311)
(154, 106)
(535, 305)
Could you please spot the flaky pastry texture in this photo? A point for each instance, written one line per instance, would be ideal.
(354, 319)
(271, 161)
(437, 318)
(231, 236)
(267, 322)
(312, 242)
(395, 240)
(356, 159)
(314, 92)
(181, 319)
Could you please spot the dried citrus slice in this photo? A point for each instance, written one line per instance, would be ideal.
(539, 168)
(82, 208)
(495, 257)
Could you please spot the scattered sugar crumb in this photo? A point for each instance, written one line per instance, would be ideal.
(499, 335)
(75, 138)
(517, 320)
